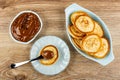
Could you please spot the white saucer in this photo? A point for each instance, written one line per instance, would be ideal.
(62, 61)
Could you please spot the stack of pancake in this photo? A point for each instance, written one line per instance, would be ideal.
(88, 35)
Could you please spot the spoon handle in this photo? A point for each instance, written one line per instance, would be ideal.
(14, 65)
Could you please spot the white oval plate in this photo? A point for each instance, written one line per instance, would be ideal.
(74, 7)
(27, 11)
(63, 55)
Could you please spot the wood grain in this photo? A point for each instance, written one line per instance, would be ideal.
(52, 13)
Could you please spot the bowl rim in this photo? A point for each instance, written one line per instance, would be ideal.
(25, 11)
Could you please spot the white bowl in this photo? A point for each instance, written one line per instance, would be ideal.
(74, 7)
(36, 33)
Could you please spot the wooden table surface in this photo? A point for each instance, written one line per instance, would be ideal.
(53, 16)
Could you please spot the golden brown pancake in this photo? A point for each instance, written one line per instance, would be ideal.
(91, 43)
(97, 30)
(77, 42)
(84, 24)
(74, 33)
(75, 15)
(103, 51)
(52, 49)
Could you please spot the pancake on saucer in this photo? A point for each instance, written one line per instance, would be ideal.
(52, 54)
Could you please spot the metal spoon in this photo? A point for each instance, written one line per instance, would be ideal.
(14, 65)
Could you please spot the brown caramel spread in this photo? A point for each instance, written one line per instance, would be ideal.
(47, 54)
(25, 27)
